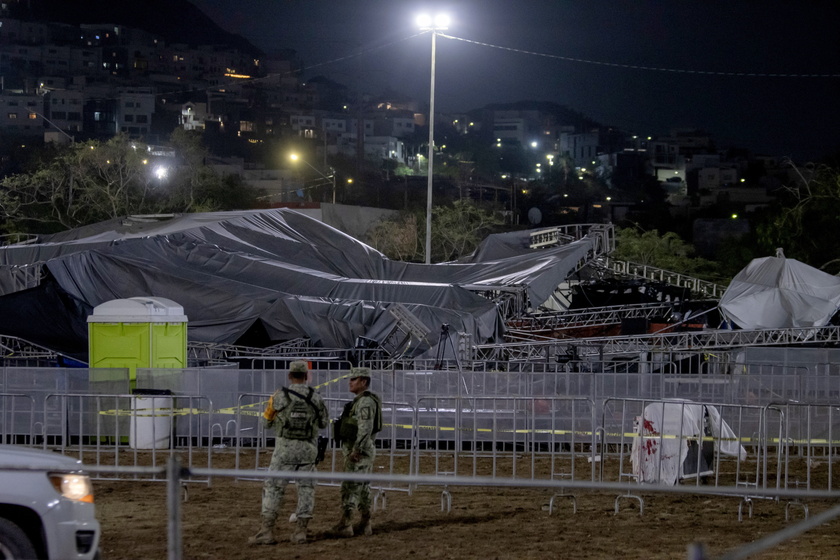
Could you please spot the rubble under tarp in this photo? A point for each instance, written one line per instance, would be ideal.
(777, 293)
(272, 274)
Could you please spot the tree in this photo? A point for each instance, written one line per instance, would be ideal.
(85, 183)
(398, 238)
(667, 251)
(457, 230)
(94, 181)
(803, 219)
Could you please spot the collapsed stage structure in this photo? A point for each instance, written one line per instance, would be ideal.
(277, 282)
(263, 278)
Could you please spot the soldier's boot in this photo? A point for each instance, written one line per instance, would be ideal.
(363, 527)
(266, 533)
(344, 527)
(299, 534)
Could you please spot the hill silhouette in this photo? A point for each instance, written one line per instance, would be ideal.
(177, 21)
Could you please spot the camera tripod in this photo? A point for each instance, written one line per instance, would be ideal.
(445, 340)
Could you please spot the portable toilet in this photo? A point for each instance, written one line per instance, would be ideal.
(137, 332)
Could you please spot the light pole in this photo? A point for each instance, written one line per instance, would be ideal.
(427, 23)
(330, 177)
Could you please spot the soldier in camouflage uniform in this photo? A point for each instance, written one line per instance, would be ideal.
(296, 413)
(360, 421)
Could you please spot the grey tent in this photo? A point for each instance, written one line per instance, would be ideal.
(776, 292)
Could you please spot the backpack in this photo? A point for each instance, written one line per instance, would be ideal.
(300, 417)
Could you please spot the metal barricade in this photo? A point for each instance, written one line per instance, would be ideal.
(519, 437)
(111, 429)
(17, 418)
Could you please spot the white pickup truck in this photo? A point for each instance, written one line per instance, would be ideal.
(46, 506)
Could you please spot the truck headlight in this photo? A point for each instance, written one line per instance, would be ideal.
(73, 486)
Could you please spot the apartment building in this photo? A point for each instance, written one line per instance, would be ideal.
(19, 113)
(65, 109)
(134, 109)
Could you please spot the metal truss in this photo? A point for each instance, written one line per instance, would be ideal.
(625, 268)
(662, 342)
(19, 352)
(200, 351)
(604, 234)
(513, 301)
(591, 316)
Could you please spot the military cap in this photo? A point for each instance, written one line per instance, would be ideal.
(360, 372)
(298, 367)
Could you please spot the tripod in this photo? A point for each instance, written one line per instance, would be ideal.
(445, 339)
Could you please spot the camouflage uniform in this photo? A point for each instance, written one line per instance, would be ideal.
(357, 494)
(292, 455)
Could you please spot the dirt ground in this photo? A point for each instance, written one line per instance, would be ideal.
(483, 523)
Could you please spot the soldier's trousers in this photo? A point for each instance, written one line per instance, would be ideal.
(356, 494)
(275, 488)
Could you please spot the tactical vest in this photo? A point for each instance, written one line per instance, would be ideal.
(346, 427)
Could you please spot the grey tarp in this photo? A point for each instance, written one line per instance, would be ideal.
(294, 275)
(776, 292)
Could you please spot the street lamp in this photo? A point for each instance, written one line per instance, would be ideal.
(427, 23)
(330, 177)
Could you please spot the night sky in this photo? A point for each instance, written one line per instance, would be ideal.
(643, 66)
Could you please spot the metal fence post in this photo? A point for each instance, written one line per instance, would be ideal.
(173, 507)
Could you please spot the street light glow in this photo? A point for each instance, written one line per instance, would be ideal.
(331, 177)
(439, 21)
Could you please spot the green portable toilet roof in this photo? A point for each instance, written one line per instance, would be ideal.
(138, 310)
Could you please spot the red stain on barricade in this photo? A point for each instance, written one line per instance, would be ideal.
(650, 444)
(542, 406)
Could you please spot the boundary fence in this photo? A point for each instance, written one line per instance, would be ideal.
(575, 428)
(785, 445)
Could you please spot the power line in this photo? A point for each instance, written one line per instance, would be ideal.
(640, 67)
